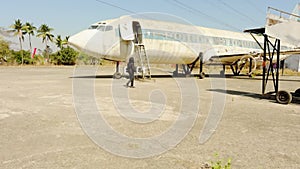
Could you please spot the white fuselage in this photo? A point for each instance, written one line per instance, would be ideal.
(165, 42)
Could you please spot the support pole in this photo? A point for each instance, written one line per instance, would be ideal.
(118, 67)
(264, 64)
(175, 73)
(277, 68)
(236, 69)
(282, 66)
(250, 65)
(117, 74)
(232, 69)
(201, 73)
(201, 62)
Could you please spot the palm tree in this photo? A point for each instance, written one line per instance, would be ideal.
(44, 32)
(30, 29)
(67, 40)
(18, 28)
(60, 43)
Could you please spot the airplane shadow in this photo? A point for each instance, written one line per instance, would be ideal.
(244, 77)
(93, 77)
(267, 96)
(111, 76)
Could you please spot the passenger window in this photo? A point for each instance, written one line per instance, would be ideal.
(183, 38)
(178, 37)
(170, 36)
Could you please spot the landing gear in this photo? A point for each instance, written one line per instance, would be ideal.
(237, 67)
(202, 75)
(283, 97)
(175, 72)
(186, 71)
(117, 74)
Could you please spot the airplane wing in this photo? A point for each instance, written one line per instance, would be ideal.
(231, 59)
(234, 58)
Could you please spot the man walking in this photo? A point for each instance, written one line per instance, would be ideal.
(130, 69)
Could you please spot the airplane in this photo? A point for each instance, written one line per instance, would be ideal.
(153, 41)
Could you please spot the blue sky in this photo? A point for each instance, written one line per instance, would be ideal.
(70, 16)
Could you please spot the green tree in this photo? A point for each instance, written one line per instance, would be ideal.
(44, 32)
(29, 29)
(4, 50)
(66, 56)
(18, 28)
(21, 56)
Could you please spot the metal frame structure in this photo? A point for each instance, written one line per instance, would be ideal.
(271, 50)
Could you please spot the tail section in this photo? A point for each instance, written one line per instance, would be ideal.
(284, 26)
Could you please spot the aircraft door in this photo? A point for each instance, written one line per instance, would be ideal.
(126, 31)
(126, 40)
(137, 31)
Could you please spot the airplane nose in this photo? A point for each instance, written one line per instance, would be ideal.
(81, 39)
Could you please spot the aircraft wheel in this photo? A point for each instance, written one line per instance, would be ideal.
(297, 92)
(202, 75)
(117, 75)
(283, 97)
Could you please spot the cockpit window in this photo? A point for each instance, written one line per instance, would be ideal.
(101, 28)
(104, 28)
(93, 27)
(109, 28)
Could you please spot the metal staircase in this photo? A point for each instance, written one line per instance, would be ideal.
(143, 60)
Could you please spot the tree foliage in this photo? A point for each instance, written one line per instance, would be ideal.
(21, 56)
(60, 43)
(4, 50)
(66, 56)
(30, 30)
(44, 32)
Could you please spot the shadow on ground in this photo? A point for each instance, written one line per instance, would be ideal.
(268, 96)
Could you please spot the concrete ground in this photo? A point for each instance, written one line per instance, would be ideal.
(39, 127)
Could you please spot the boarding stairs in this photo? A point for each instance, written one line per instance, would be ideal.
(142, 60)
